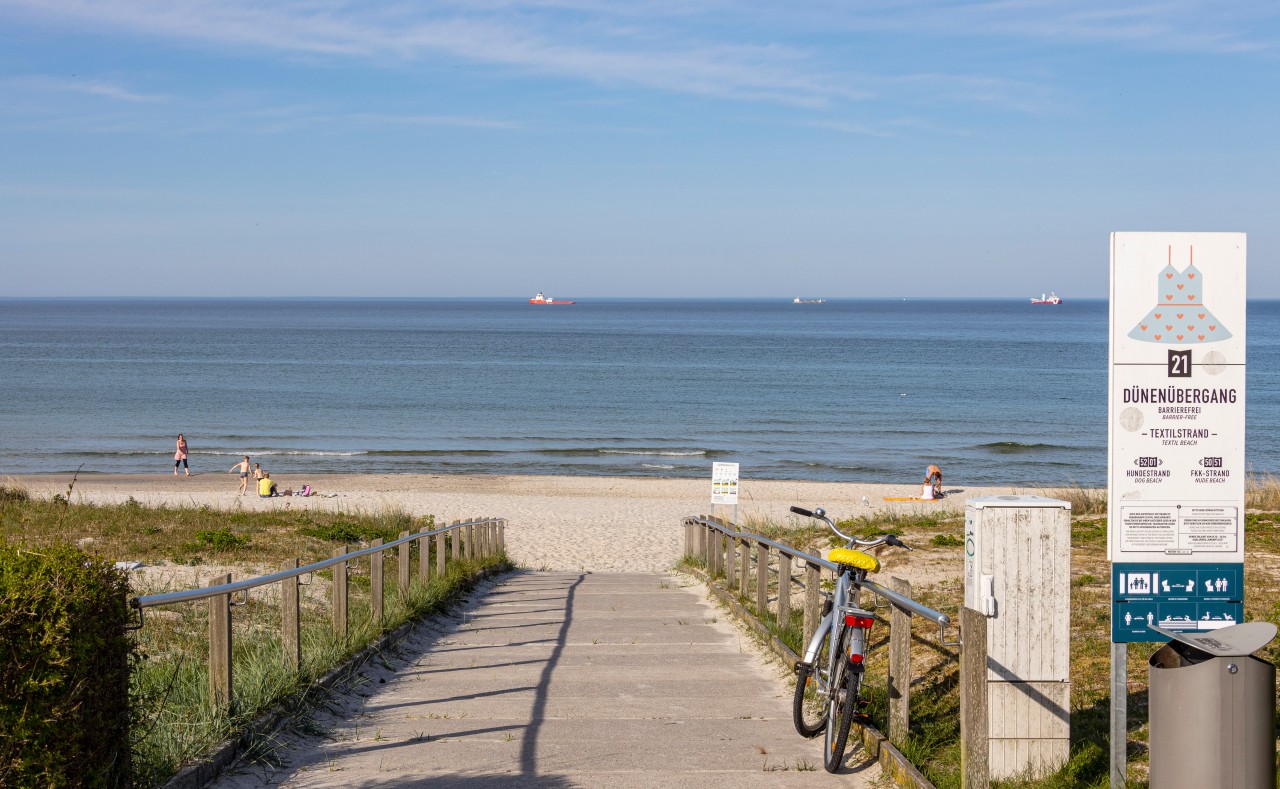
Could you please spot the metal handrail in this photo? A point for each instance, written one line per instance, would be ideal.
(897, 599)
(187, 595)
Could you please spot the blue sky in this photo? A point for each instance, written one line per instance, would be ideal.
(642, 148)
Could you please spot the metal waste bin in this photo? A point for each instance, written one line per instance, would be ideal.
(1212, 709)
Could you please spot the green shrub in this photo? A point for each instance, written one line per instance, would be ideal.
(220, 539)
(64, 670)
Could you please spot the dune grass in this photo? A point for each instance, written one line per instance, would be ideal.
(170, 678)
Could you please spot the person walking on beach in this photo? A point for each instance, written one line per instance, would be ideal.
(243, 468)
(180, 457)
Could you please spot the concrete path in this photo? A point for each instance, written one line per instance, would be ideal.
(565, 680)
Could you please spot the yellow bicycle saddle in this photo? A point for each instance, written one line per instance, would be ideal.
(854, 558)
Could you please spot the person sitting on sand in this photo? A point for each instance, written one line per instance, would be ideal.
(243, 468)
(932, 487)
(266, 488)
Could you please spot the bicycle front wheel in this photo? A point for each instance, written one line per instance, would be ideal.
(808, 706)
(841, 704)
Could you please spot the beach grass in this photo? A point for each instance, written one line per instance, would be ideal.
(177, 722)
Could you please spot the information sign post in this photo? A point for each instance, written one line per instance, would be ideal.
(1176, 422)
(724, 486)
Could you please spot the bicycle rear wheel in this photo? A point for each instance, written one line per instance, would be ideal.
(808, 707)
(841, 705)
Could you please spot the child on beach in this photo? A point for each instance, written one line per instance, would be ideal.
(180, 456)
(257, 473)
(932, 487)
(243, 468)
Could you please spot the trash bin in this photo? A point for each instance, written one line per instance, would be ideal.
(1212, 710)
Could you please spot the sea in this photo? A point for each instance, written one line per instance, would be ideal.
(995, 391)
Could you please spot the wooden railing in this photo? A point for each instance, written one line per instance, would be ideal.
(474, 538)
(756, 569)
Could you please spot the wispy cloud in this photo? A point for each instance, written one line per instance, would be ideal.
(39, 83)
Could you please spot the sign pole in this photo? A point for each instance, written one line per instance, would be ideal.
(1119, 714)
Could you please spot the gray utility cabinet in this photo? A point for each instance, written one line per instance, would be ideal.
(1018, 574)
(1212, 708)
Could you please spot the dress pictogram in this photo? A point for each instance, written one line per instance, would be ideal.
(1180, 316)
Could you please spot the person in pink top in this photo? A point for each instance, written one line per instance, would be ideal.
(180, 457)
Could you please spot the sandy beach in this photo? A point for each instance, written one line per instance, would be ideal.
(616, 524)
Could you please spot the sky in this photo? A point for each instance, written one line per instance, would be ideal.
(647, 148)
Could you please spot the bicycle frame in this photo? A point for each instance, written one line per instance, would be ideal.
(848, 584)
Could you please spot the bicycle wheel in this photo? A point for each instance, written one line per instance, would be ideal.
(841, 704)
(807, 712)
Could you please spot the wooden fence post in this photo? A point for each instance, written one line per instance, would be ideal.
(975, 755)
(812, 606)
(784, 591)
(455, 542)
(744, 570)
(375, 584)
(762, 579)
(402, 565)
(705, 545)
(470, 541)
(290, 620)
(340, 595)
(899, 666)
(424, 558)
(441, 554)
(702, 542)
(220, 645)
(730, 563)
(502, 535)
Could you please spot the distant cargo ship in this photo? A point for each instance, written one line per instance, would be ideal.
(541, 299)
(809, 301)
(1052, 298)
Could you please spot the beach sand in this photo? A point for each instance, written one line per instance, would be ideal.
(602, 524)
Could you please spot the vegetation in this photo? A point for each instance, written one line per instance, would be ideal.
(174, 720)
(64, 669)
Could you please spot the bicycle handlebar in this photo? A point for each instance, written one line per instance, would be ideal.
(883, 539)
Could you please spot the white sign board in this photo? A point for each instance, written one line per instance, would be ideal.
(1176, 476)
(724, 483)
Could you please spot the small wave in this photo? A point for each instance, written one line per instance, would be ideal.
(662, 466)
(1017, 447)
(672, 453)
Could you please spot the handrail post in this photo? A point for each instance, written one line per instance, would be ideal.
(440, 555)
(455, 542)
(975, 754)
(424, 558)
(730, 563)
(784, 591)
(290, 618)
(812, 607)
(702, 542)
(744, 569)
(375, 584)
(487, 542)
(502, 535)
(340, 595)
(220, 645)
(470, 541)
(402, 565)
(899, 666)
(762, 578)
(704, 546)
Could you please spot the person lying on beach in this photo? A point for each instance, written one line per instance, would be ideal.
(243, 468)
(266, 488)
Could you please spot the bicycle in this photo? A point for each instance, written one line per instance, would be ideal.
(833, 659)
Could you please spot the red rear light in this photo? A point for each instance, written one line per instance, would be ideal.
(855, 658)
(859, 621)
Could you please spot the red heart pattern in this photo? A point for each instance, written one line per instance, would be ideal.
(1181, 286)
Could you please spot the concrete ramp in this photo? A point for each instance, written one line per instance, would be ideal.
(566, 680)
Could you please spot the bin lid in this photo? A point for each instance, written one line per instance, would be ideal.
(1016, 500)
(1233, 641)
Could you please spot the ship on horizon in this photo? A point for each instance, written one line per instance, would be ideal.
(1052, 298)
(543, 299)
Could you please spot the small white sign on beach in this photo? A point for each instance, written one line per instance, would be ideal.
(724, 483)
(1176, 472)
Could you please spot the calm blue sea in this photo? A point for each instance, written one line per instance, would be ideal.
(995, 391)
